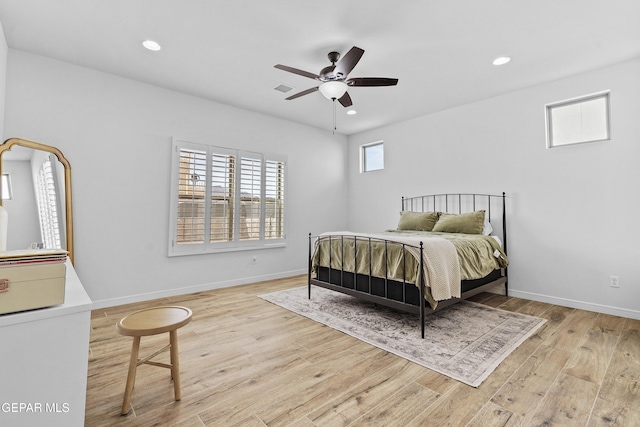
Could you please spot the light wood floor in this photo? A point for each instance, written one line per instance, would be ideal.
(245, 361)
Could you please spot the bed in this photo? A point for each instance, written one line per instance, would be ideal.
(445, 248)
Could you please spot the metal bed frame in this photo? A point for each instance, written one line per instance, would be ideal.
(404, 295)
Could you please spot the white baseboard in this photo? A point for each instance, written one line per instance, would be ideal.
(193, 289)
(599, 308)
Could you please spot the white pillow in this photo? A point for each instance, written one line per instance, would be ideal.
(487, 229)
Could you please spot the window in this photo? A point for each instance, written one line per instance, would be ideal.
(47, 206)
(372, 157)
(7, 193)
(224, 199)
(575, 121)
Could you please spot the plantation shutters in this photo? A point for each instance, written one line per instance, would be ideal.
(274, 200)
(192, 191)
(234, 198)
(222, 197)
(250, 196)
(47, 206)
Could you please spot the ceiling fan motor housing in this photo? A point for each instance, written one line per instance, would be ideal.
(327, 74)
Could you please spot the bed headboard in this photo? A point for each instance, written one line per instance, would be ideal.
(458, 203)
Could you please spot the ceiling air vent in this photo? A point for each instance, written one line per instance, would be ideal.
(283, 88)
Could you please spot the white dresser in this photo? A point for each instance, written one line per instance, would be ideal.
(43, 361)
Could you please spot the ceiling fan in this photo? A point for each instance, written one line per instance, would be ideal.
(333, 78)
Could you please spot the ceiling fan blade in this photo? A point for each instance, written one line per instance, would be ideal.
(303, 93)
(345, 100)
(372, 81)
(348, 62)
(296, 71)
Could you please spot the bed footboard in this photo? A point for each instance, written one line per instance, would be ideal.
(401, 295)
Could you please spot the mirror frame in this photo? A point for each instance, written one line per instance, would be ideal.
(9, 143)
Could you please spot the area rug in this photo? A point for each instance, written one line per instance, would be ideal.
(465, 341)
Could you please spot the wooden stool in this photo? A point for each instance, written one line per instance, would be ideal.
(153, 321)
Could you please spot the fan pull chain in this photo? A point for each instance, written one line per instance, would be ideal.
(334, 117)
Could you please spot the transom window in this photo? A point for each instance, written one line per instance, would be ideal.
(224, 199)
(584, 119)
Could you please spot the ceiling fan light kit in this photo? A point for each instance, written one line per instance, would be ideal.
(333, 89)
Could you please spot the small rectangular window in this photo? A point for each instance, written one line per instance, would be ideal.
(6, 187)
(372, 157)
(585, 119)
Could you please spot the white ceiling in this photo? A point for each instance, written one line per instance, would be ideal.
(440, 50)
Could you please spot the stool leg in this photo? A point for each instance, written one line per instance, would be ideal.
(175, 364)
(131, 377)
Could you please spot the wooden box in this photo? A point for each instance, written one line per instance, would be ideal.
(31, 285)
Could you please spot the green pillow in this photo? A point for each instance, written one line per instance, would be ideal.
(467, 223)
(418, 221)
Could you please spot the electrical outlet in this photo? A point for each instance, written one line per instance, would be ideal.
(614, 281)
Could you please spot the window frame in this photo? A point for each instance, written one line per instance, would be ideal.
(363, 156)
(606, 95)
(238, 202)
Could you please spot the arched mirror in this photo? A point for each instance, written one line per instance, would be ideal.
(36, 193)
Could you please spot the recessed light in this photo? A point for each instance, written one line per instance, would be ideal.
(352, 112)
(501, 60)
(151, 45)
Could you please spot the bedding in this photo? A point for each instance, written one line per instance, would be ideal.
(467, 223)
(420, 221)
(471, 222)
(448, 257)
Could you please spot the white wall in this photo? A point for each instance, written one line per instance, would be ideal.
(572, 210)
(3, 74)
(117, 133)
